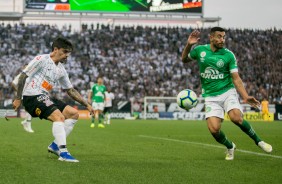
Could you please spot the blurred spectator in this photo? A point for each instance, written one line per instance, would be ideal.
(141, 61)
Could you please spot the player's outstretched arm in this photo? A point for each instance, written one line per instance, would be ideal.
(193, 38)
(237, 81)
(14, 87)
(89, 96)
(21, 83)
(74, 94)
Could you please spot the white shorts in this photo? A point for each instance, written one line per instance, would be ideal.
(217, 105)
(98, 106)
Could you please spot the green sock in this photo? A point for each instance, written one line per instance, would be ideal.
(93, 119)
(247, 128)
(100, 118)
(222, 139)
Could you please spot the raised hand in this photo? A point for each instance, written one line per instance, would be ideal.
(193, 38)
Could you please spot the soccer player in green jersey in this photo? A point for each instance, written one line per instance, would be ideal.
(97, 98)
(220, 80)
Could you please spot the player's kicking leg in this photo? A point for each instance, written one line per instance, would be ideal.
(27, 123)
(236, 117)
(214, 125)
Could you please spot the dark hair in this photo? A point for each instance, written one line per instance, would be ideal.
(62, 43)
(214, 29)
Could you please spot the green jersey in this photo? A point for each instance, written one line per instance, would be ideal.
(98, 93)
(215, 69)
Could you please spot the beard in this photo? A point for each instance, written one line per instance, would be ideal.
(219, 45)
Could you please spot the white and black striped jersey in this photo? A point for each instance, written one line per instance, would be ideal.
(43, 75)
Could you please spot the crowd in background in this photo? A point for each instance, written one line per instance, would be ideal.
(141, 61)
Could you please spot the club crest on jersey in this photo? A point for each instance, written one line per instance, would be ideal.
(220, 63)
(203, 54)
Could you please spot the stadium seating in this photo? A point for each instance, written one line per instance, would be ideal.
(141, 61)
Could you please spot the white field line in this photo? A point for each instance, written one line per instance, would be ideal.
(209, 145)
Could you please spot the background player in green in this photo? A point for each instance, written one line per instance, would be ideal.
(97, 97)
(220, 80)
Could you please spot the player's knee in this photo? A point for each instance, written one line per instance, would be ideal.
(70, 113)
(57, 116)
(213, 129)
(237, 119)
(73, 114)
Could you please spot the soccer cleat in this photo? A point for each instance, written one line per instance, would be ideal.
(66, 156)
(25, 125)
(30, 130)
(265, 147)
(29, 127)
(53, 148)
(101, 125)
(92, 125)
(230, 153)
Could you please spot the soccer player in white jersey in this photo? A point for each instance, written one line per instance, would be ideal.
(220, 80)
(108, 106)
(27, 121)
(44, 71)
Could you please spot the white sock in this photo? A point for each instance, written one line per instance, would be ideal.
(59, 133)
(28, 117)
(69, 124)
(109, 118)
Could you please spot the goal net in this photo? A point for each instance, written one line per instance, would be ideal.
(156, 107)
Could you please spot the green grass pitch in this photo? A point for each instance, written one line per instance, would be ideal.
(145, 152)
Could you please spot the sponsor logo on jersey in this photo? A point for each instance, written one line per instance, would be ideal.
(99, 93)
(37, 111)
(211, 73)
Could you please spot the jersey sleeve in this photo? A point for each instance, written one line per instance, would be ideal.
(93, 89)
(65, 81)
(233, 63)
(34, 66)
(193, 54)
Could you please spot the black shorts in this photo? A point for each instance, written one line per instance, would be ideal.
(107, 109)
(42, 106)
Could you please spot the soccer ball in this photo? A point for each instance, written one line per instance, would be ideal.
(187, 99)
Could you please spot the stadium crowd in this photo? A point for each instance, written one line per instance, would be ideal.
(141, 61)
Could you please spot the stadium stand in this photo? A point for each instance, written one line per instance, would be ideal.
(141, 61)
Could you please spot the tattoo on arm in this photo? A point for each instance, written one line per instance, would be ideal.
(76, 96)
(14, 87)
(21, 84)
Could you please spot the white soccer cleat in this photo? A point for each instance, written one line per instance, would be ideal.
(265, 147)
(30, 130)
(230, 153)
(25, 125)
(29, 127)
